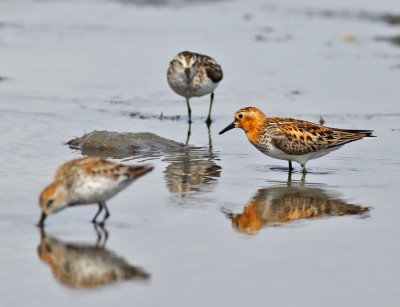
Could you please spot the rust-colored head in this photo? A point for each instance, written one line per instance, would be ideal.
(250, 119)
(52, 199)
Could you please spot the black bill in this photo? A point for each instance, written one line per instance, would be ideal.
(41, 221)
(227, 128)
(187, 73)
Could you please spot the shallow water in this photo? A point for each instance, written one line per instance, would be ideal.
(71, 67)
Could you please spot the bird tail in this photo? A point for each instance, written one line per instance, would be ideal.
(136, 171)
(365, 133)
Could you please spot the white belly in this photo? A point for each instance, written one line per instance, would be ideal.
(196, 88)
(274, 152)
(95, 189)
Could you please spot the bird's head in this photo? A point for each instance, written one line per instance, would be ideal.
(249, 119)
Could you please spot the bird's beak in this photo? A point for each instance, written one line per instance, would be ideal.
(187, 73)
(41, 221)
(227, 128)
(227, 213)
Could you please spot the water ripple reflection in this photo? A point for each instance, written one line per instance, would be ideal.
(277, 205)
(86, 266)
(191, 170)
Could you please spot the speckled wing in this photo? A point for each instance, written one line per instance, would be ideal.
(73, 166)
(212, 68)
(95, 166)
(170, 70)
(296, 137)
(116, 171)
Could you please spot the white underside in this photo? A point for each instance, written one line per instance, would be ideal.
(95, 189)
(276, 153)
(196, 88)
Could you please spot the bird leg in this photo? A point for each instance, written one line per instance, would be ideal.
(304, 169)
(189, 133)
(107, 215)
(290, 166)
(98, 212)
(208, 121)
(189, 110)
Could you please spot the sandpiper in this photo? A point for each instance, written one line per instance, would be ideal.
(193, 75)
(88, 180)
(290, 139)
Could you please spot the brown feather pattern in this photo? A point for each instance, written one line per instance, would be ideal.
(96, 166)
(292, 136)
(298, 137)
(212, 68)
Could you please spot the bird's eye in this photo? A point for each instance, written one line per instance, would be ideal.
(240, 115)
(47, 248)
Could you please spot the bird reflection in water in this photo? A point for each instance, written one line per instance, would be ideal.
(86, 266)
(191, 171)
(277, 205)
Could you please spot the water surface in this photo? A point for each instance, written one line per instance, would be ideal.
(73, 67)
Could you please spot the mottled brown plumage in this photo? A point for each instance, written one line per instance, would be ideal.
(298, 137)
(193, 74)
(96, 166)
(211, 67)
(290, 139)
(87, 181)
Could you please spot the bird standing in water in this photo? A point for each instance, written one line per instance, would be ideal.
(290, 139)
(193, 75)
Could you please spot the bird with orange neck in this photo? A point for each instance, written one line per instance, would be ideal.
(290, 139)
(89, 180)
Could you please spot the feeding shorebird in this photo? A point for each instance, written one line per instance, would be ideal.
(88, 180)
(290, 139)
(193, 75)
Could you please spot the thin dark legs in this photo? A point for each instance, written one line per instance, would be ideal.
(102, 205)
(208, 121)
(107, 215)
(189, 110)
(189, 133)
(302, 166)
(97, 214)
